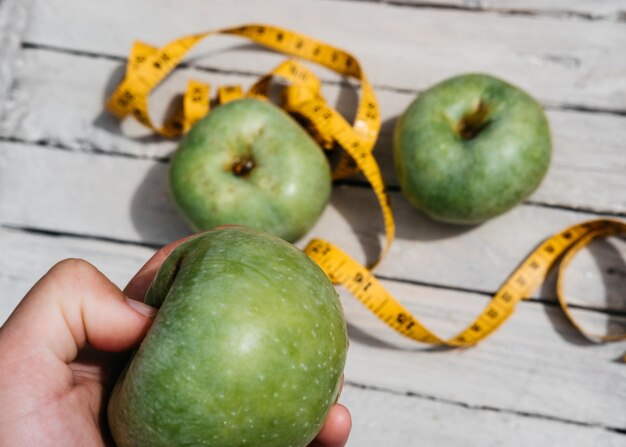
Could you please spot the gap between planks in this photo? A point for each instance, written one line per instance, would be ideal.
(555, 59)
(356, 384)
(381, 419)
(35, 117)
(411, 393)
(520, 8)
(256, 74)
(486, 408)
(485, 257)
(95, 150)
(390, 278)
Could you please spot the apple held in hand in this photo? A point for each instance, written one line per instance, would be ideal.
(470, 148)
(248, 348)
(250, 163)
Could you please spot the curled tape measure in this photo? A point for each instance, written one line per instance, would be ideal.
(148, 66)
(342, 269)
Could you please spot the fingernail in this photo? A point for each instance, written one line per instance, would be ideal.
(142, 308)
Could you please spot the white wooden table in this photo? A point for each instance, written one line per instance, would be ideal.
(75, 183)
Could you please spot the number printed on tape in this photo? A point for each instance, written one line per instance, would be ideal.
(148, 66)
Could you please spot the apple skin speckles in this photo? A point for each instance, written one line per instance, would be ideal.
(471, 148)
(211, 373)
(249, 163)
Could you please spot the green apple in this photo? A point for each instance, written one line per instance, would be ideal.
(249, 163)
(247, 348)
(470, 148)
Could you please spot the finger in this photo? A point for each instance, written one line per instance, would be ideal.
(138, 286)
(72, 305)
(336, 428)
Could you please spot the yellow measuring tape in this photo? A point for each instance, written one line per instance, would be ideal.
(342, 269)
(148, 66)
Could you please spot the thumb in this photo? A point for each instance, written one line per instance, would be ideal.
(74, 304)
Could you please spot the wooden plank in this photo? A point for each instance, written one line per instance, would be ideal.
(26, 257)
(380, 419)
(566, 63)
(13, 17)
(92, 193)
(585, 9)
(535, 364)
(536, 375)
(588, 169)
(127, 199)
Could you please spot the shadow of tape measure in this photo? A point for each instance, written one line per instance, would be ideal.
(148, 66)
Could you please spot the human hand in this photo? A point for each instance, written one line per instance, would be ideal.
(64, 346)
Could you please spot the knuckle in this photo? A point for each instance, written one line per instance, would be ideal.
(73, 267)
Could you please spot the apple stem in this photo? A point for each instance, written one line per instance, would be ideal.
(473, 123)
(242, 167)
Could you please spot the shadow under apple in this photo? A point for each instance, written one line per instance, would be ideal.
(153, 212)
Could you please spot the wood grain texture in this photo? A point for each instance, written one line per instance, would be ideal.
(381, 419)
(53, 101)
(584, 9)
(128, 199)
(65, 167)
(536, 364)
(566, 63)
(13, 18)
(26, 257)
